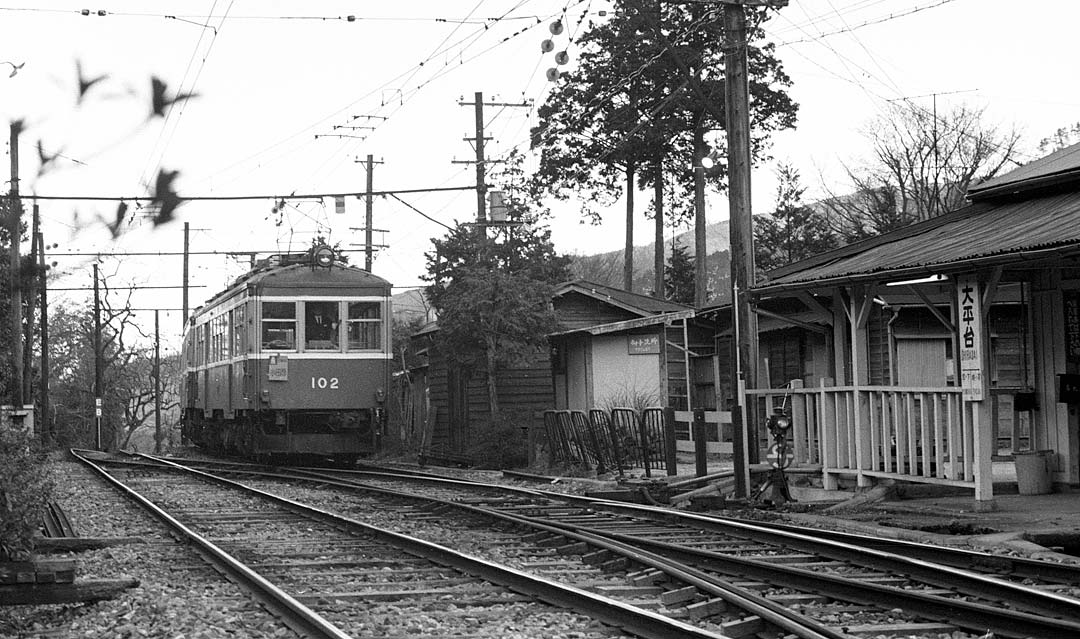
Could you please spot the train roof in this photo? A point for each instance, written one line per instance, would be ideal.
(303, 277)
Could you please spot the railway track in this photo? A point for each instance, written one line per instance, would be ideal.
(328, 576)
(705, 568)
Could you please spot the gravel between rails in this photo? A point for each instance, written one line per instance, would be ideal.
(179, 596)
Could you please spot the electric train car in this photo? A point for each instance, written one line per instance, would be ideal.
(291, 361)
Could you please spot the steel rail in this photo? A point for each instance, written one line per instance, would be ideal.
(296, 615)
(1047, 605)
(1049, 608)
(964, 581)
(632, 619)
(958, 557)
(972, 616)
(954, 557)
(747, 600)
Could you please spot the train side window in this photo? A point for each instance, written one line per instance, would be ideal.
(365, 326)
(279, 326)
(321, 321)
(238, 329)
(199, 356)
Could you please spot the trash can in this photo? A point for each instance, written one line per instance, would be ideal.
(1033, 471)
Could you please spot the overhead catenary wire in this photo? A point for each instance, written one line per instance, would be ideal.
(226, 198)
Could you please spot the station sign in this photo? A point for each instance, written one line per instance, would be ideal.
(970, 328)
(643, 344)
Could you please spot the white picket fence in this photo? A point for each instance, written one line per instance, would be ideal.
(910, 433)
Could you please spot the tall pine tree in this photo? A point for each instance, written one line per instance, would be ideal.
(794, 231)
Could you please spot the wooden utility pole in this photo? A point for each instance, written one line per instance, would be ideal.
(186, 232)
(98, 376)
(701, 274)
(481, 161)
(31, 305)
(745, 345)
(157, 382)
(14, 262)
(369, 246)
(481, 177)
(43, 385)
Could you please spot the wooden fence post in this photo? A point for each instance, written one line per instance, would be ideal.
(828, 436)
(672, 458)
(798, 422)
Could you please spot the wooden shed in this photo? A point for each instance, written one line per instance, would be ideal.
(447, 401)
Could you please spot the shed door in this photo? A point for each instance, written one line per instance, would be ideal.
(920, 362)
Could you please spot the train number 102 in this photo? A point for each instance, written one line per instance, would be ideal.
(324, 382)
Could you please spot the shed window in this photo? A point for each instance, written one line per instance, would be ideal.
(279, 326)
(321, 321)
(365, 326)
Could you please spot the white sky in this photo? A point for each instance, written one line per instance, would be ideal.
(270, 78)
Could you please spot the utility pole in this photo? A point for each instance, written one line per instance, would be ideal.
(43, 387)
(481, 185)
(478, 142)
(97, 362)
(186, 232)
(14, 262)
(369, 164)
(157, 382)
(745, 342)
(31, 304)
(701, 273)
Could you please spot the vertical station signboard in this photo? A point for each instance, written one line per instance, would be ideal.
(970, 327)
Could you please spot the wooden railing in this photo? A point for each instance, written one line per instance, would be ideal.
(917, 434)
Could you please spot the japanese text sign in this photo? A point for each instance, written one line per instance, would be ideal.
(970, 328)
(644, 344)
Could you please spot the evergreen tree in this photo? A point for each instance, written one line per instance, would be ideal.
(647, 79)
(491, 288)
(679, 276)
(794, 231)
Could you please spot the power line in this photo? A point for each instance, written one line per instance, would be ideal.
(127, 288)
(848, 29)
(226, 198)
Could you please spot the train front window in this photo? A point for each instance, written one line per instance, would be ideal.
(321, 323)
(365, 326)
(279, 326)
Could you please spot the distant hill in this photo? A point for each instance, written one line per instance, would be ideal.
(410, 305)
(607, 268)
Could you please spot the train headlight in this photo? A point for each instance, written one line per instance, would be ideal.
(324, 256)
(380, 395)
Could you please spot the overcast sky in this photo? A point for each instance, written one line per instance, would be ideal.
(277, 81)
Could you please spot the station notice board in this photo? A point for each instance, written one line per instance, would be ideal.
(643, 344)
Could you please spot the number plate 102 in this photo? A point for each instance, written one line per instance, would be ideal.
(324, 383)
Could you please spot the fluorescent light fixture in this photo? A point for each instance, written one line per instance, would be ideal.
(930, 279)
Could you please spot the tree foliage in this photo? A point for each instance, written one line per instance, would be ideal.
(794, 231)
(625, 118)
(128, 404)
(921, 166)
(679, 276)
(25, 490)
(491, 288)
(1060, 138)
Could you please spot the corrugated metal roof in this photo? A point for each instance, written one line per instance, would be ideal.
(948, 242)
(1057, 166)
(627, 325)
(641, 304)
